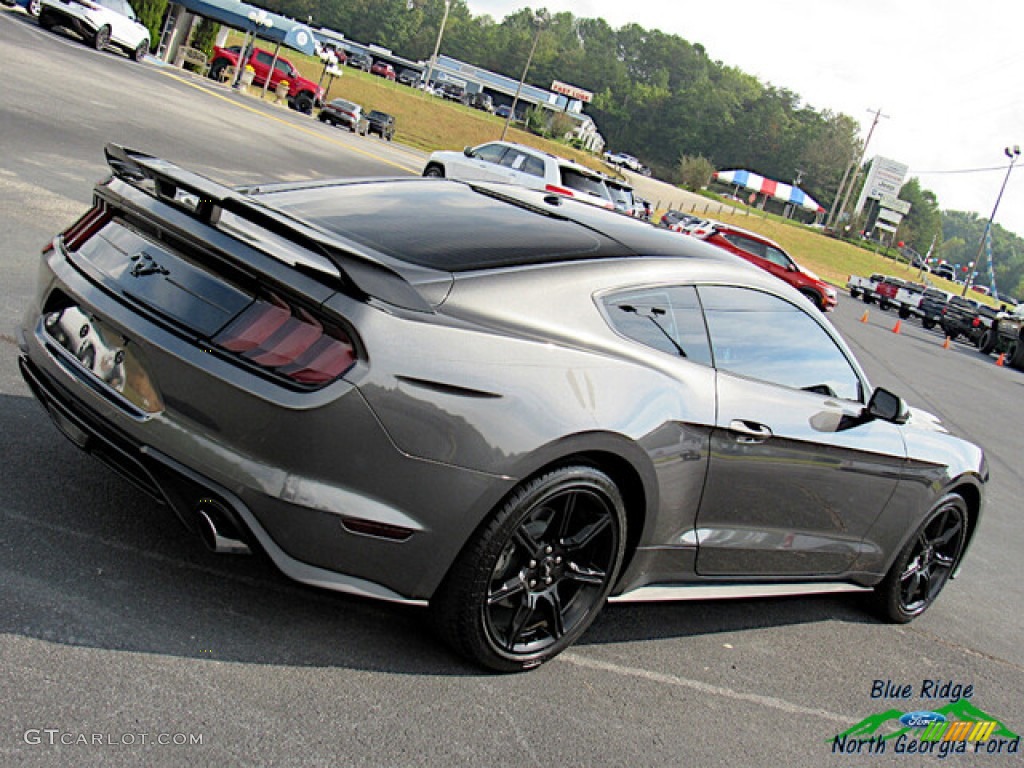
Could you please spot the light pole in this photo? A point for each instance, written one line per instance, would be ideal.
(257, 19)
(1013, 153)
(437, 45)
(539, 19)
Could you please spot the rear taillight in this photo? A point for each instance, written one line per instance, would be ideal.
(288, 341)
(92, 222)
(558, 190)
(976, 322)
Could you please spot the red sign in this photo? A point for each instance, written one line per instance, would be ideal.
(572, 91)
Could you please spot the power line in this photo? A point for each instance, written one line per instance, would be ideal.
(961, 170)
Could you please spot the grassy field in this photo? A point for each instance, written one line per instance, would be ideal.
(430, 123)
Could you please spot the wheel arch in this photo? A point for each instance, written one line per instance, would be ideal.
(621, 459)
(971, 494)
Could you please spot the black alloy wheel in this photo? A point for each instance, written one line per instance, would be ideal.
(926, 563)
(532, 580)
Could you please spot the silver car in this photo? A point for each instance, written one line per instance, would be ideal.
(511, 422)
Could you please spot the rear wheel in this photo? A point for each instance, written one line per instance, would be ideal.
(532, 580)
(304, 103)
(101, 38)
(987, 342)
(925, 564)
(904, 313)
(1015, 354)
(34, 8)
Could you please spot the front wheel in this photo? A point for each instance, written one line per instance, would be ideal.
(434, 171)
(34, 8)
(140, 52)
(304, 103)
(101, 38)
(928, 323)
(531, 581)
(925, 564)
(987, 342)
(904, 313)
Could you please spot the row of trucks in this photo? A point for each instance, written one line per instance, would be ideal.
(993, 331)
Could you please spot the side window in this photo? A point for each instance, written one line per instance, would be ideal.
(534, 166)
(777, 256)
(667, 319)
(514, 159)
(762, 337)
(490, 153)
(745, 244)
(264, 58)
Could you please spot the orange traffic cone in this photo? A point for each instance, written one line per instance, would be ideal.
(1000, 361)
(864, 317)
(945, 344)
(896, 328)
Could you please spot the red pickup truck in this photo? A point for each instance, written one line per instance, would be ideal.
(303, 94)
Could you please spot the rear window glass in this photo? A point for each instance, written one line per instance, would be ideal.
(446, 226)
(581, 182)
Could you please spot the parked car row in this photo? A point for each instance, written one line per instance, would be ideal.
(511, 163)
(958, 317)
(347, 114)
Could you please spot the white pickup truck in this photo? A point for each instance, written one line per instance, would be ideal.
(888, 292)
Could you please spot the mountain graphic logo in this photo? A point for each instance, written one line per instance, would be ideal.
(881, 723)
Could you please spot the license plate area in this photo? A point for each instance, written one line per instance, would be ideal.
(103, 355)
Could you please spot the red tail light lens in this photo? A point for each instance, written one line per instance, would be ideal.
(92, 222)
(976, 322)
(558, 190)
(289, 341)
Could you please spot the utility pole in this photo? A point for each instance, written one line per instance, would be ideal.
(837, 216)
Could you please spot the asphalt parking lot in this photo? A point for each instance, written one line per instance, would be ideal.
(123, 642)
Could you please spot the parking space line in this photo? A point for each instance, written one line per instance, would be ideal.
(290, 124)
(769, 702)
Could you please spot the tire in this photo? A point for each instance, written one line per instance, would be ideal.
(101, 38)
(925, 564)
(904, 313)
(140, 52)
(815, 299)
(434, 171)
(855, 293)
(46, 20)
(304, 104)
(534, 577)
(1015, 354)
(217, 69)
(928, 323)
(883, 304)
(867, 299)
(34, 8)
(988, 340)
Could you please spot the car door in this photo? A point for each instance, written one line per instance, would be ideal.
(123, 29)
(796, 478)
(484, 164)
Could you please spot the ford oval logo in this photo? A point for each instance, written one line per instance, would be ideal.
(922, 718)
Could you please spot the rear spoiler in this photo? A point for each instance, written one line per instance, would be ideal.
(205, 199)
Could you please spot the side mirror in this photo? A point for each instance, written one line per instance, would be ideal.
(886, 406)
(468, 151)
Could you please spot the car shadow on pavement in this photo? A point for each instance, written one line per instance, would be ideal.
(87, 560)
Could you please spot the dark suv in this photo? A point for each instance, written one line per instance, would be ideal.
(933, 301)
(380, 123)
(769, 256)
(966, 317)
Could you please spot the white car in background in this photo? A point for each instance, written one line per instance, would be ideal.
(99, 23)
(509, 163)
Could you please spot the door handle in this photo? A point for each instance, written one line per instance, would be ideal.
(749, 432)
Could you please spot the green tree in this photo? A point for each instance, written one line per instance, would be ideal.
(694, 172)
(151, 15)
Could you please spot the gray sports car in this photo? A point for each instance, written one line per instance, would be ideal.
(504, 404)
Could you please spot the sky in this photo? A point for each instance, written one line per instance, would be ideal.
(947, 74)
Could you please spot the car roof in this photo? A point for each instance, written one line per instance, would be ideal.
(722, 226)
(455, 226)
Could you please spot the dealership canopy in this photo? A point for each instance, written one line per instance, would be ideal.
(776, 189)
(236, 14)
